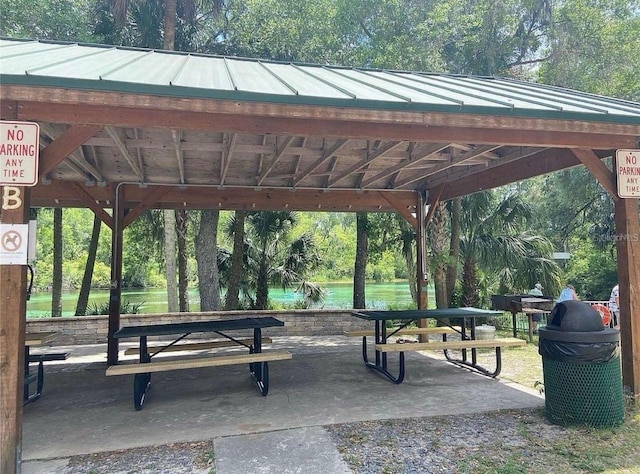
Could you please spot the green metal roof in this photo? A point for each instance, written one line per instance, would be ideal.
(180, 74)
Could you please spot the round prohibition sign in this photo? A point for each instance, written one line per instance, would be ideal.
(11, 241)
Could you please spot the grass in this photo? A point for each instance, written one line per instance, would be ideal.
(534, 446)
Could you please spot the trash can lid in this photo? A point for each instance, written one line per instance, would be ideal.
(574, 316)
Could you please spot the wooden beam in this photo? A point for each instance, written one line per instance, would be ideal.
(381, 151)
(457, 160)
(279, 152)
(154, 196)
(46, 97)
(412, 160)
(458, 173)
(402, 209)
(628, 249)
(598, 169)
(484, 133)
(91, 203)
(77, 157)
(227, 154)
(433, 201)
(534, 165)
(13, 289)
(176, 139)
(124, 151)
(327, 154)
(64, 145)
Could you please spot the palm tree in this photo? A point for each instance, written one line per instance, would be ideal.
(494, 241)
(272, 257)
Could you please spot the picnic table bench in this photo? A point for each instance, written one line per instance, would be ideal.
(37, 339)
(256, 359)
(382, 346)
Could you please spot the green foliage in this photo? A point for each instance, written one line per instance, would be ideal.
(594, 47)
(126, 307)
(592, 271)
(62, 20)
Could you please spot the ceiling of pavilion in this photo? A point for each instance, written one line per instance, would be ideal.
(112, 115)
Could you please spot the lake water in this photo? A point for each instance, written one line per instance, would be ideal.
(154, 300)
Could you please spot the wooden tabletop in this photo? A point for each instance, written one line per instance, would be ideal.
(38, 338)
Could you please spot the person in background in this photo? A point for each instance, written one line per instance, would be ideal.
(614, 306)
(536, 317)
(567, 293)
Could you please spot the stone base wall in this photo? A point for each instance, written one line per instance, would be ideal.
(93, 329)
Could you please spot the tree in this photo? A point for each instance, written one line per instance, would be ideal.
(495, 241)
(232, 299)
(85, 288)
(273, 258)
(56, 288)
(594, 47)
(207, 258)
(360, 265)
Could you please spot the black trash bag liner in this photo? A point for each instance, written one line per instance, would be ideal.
(578, 353)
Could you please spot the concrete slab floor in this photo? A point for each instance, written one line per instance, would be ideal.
(82, 411)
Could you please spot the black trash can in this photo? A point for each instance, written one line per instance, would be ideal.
(581, 367)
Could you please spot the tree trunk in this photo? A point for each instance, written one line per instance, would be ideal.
(170, 24)
(262, 285)
(183, 271)
(232, 300)
(207, 258)
(170, 259)
(360, 267)
(469, 283)
(454, 248)
(440, 257)
(56, 289)
(85, 288)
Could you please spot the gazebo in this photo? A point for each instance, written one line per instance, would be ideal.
(130, 129)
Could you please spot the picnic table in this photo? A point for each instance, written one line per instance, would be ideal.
(466, 330)
(255, 357)
(34, 339)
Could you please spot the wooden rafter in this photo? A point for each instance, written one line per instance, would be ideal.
(381, 151)
(120, 144)
(446, 165)
(176, 139)
(536, 164)
(64, 145)
(227, 154)
(77, 158)
(412, 160)
(279, 152)
(326, 155)
(454, 174)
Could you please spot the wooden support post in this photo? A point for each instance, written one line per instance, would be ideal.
(13, 289)
(628, 248)
(115, 295)
(421, 264)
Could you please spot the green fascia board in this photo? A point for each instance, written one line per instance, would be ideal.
(212, 94)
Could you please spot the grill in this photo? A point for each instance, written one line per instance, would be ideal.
(526, 304)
